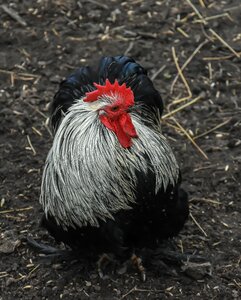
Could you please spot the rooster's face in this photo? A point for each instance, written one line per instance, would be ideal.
(114, 113)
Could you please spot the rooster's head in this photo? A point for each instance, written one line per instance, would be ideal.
(114, 113)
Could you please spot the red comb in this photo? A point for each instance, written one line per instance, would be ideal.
(108, 89)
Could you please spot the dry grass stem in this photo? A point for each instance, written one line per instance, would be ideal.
(238, 284)
(238, 262)
(56, 33)
(198, 225)
(36, 131)
(214, 58)
(181, 246)
(33, 270)
(48, 129)
(16, 210)
(224, 43)
(212, 129)
(129, 48)
(36, 109)
(190, 138)
(171, 113)
(171, 125)
(97, 3)
(153, 77)
(19, 74)
(210, 201)
(14, 15)
(210, 71)
(202, 3)
(214, 17)
(196, 11)
(27, 75)
(31, 145)
(180, 73)
(136, 289)
(177, 101)
(237, 7)
(187, 62)
(3, 273)
(204, 168)
(182, 32)
(225, 224)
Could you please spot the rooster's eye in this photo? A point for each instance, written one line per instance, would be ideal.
(114, 108)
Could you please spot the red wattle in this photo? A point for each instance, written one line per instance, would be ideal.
(107, 122)
(127, 125)
(124, 139)
(122, 127)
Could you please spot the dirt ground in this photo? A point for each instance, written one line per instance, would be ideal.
(49, 41)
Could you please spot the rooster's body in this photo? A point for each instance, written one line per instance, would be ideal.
(111, 181)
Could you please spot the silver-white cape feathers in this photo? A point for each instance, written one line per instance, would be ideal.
(89, 176)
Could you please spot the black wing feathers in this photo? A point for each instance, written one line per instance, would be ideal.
(73, 87)
(122, 68)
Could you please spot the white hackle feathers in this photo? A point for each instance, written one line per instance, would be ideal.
(89, 177)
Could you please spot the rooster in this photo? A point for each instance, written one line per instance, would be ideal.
(111, 183)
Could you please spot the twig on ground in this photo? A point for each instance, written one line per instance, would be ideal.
(36, 131)
(215, 17)
(36, 109)
(180, 245)
(182, 32)
(215, 202)
(198, 225)
(158, 72)
(224, 43)
(202, 3)
(187, 62)
(238, 284)
(210, 71)
(220, 57)
(171, 125)
(14, 15)
(204, 168)
(190, 138)
(136, 289)
(20, 76)
(48, 129)
(31, 145)
(237, 7)
(181, 75)
(171, 113)
(33, 270)
(212, 129)
(16, 210)
(98, 4)
(196, 11)
(131, 45)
